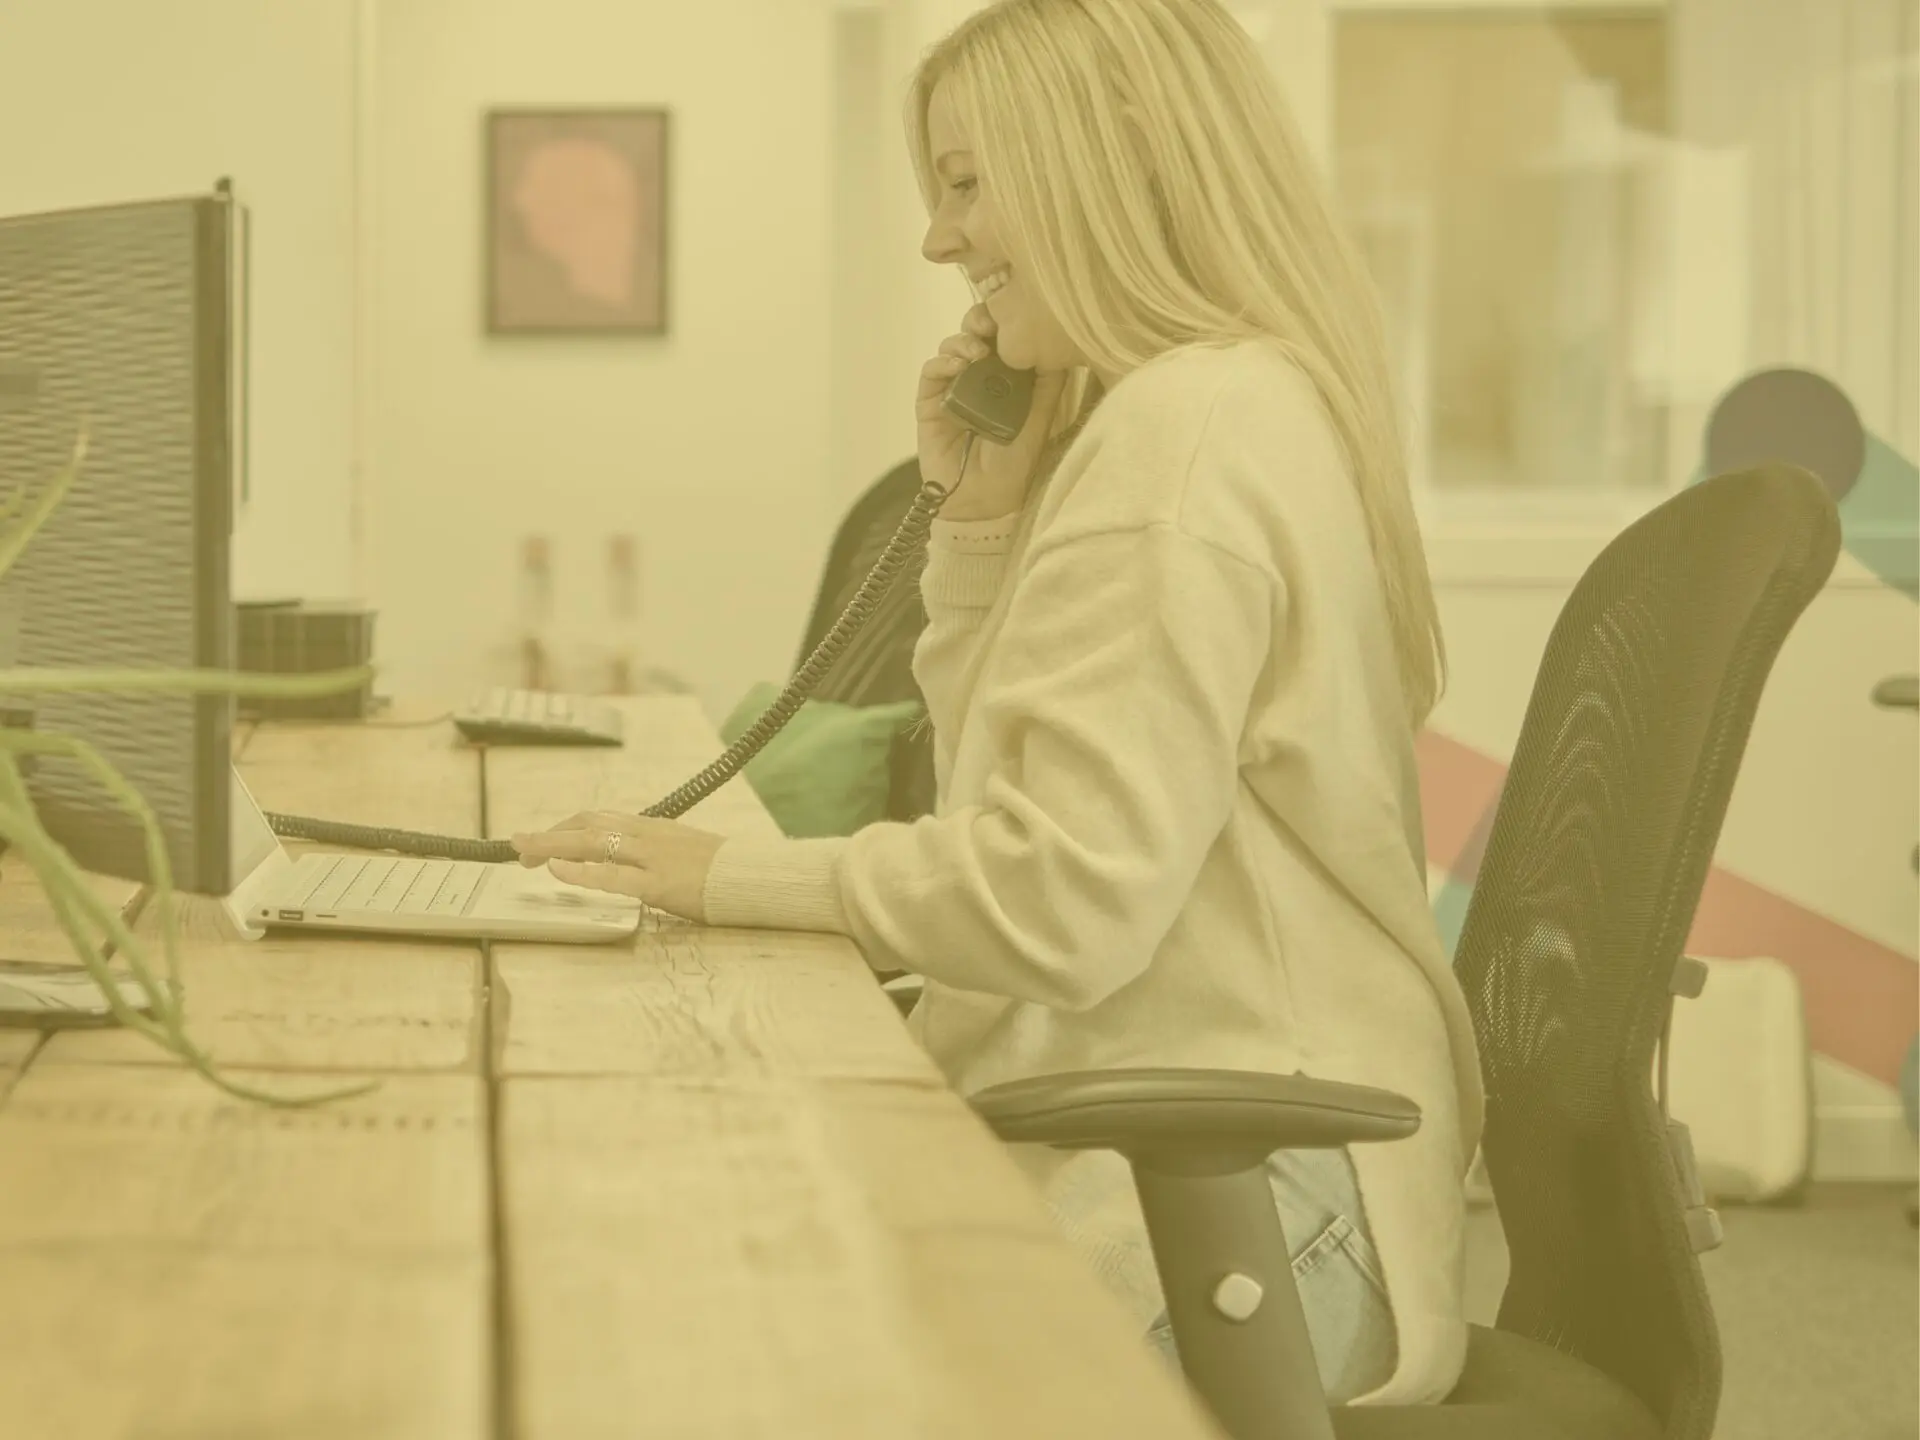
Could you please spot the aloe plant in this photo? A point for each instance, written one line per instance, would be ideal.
(84, 917)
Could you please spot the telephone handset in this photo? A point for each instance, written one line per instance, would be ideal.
(989, 399)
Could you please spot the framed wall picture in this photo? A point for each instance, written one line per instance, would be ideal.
(576, 222)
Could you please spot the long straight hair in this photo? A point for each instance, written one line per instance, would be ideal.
(1144, 163)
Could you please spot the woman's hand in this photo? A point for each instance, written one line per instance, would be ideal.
(997, 475)
(661, 863)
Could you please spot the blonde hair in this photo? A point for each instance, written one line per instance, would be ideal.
(1142, 162)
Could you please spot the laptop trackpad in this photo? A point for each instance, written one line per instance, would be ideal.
(516, 891)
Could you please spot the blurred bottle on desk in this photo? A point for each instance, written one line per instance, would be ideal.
(536, 615)
(623, 628)
(623, 668)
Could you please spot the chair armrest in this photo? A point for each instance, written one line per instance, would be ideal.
(1162, 1110)
(1198, 1142)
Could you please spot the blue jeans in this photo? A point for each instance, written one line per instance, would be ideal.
(1334, 1268)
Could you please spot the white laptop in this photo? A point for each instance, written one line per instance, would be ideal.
(405, 895)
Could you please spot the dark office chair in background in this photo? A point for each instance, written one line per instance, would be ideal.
(877, 667)
(1570, 959)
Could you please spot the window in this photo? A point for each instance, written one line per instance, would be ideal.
(1501, 171)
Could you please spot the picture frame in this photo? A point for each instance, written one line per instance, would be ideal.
(576, 221)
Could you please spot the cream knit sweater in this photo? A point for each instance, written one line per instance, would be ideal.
(1179, 818)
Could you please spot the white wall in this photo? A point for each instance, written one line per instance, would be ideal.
(402, 455)
(709, 444)
(103, 101)
(801, 309)
(871, 397)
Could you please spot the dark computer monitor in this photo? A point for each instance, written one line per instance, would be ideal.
(126, 317)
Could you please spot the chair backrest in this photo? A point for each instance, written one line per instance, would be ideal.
(1593, 870)
(876, 668)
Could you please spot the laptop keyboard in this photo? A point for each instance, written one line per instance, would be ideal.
(389, 885)
(527, 707)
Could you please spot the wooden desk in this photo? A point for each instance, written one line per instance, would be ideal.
(700, 1185)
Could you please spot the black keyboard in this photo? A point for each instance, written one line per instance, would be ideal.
(539, 717)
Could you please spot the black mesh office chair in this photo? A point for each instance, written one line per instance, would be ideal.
(877, 666)
(1570, 958)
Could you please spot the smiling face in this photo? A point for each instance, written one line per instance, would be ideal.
(965, 231)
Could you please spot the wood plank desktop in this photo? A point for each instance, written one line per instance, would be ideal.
(701, 1183)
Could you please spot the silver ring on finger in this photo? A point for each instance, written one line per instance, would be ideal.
(613, 846)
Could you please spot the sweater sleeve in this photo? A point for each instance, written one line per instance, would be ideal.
(966, 566)
(1113, 708)
(793, 884)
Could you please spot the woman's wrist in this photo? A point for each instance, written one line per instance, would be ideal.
(959, 511)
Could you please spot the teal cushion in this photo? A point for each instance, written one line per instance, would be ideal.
(825, 772)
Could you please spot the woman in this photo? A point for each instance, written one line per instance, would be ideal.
(1181, 636)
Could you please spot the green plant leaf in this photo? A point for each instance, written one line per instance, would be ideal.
(74, 901)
